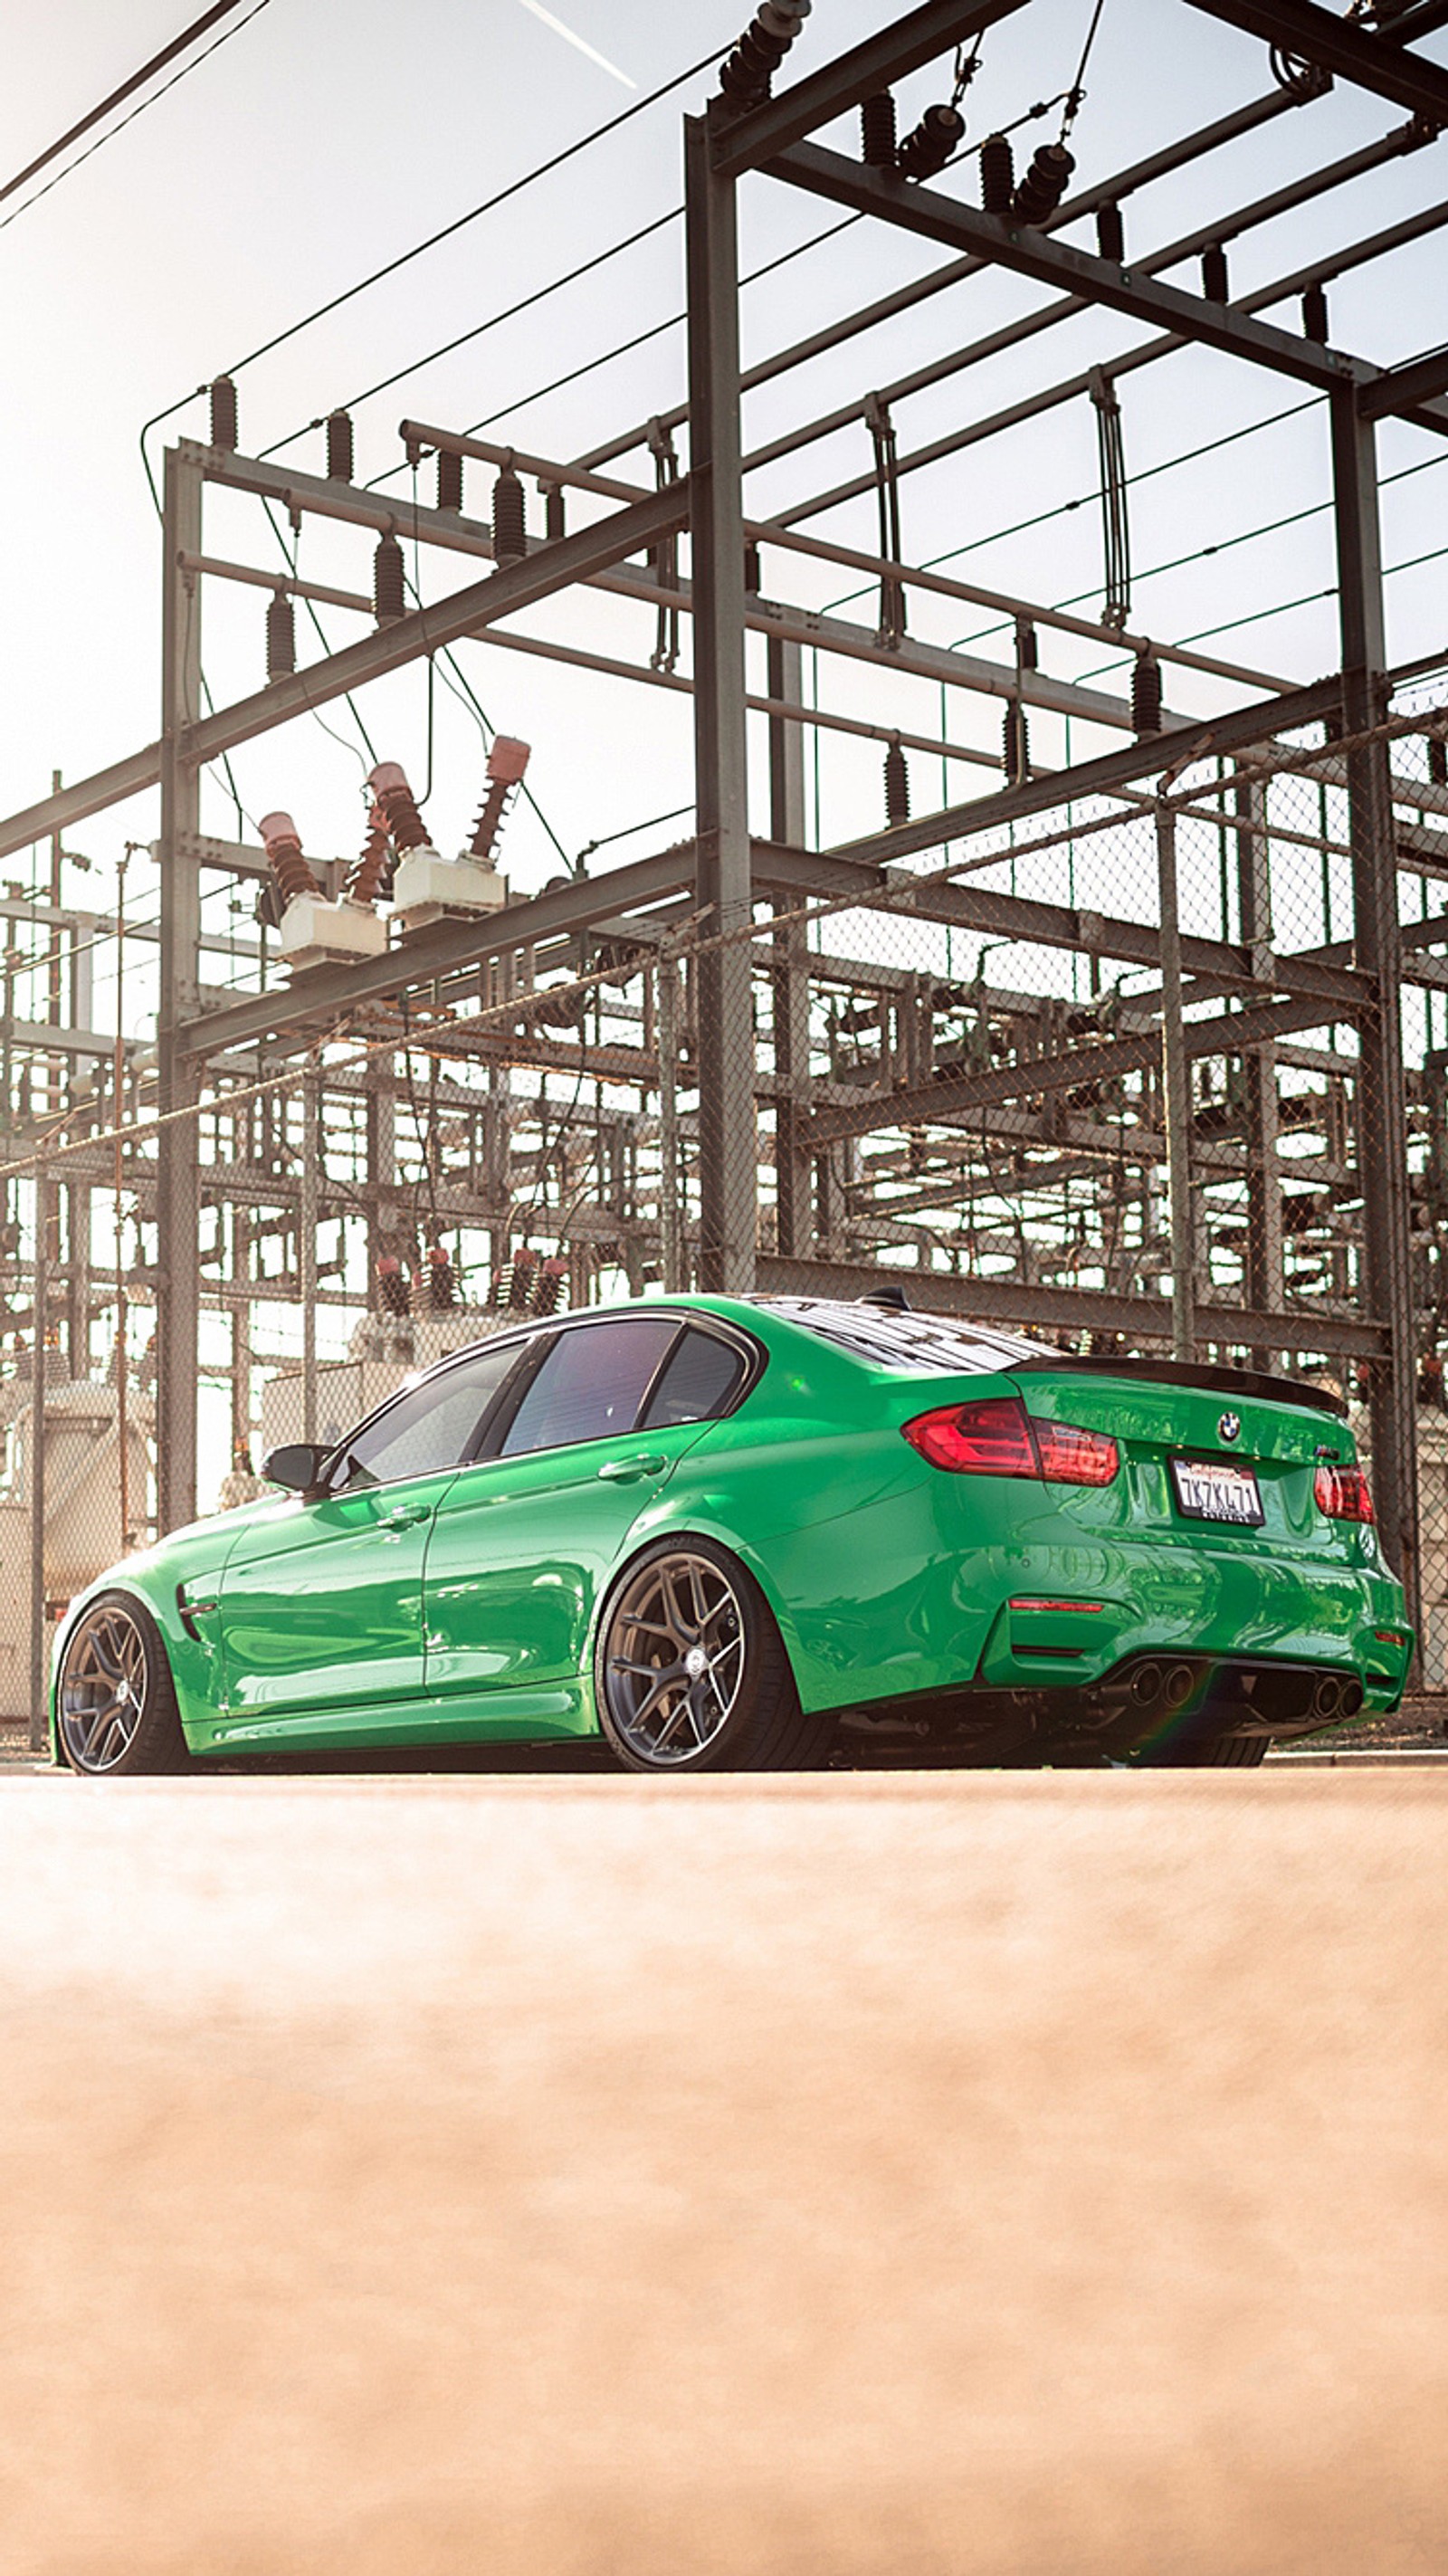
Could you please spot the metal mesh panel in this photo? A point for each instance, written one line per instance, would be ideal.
(1113, 1080)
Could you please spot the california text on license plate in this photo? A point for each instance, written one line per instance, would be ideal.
(1207, 1489)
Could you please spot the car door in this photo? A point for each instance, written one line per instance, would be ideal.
(525, 1539)
(321, 1603)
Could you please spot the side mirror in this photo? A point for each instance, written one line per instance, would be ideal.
(298, 1466)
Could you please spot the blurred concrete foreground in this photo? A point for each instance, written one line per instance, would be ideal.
(579, 2178)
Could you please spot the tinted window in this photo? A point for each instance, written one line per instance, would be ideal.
(591, 1384)
(698, 1382)
(428, 1428)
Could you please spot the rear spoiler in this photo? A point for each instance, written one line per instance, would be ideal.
(1221, 1381)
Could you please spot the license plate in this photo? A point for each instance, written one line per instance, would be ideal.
(1207, 1489)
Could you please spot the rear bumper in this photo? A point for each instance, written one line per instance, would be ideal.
(1342, 1625)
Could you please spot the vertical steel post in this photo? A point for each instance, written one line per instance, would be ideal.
(1176, 1094)
(307, 1215)
(728, 1145)
(35, 1464)
(794, 1169)
(1382, 1140)
(1263, 1280)
(671, 1207)
(241, 1362)
(382, 1163)
(178, 1299)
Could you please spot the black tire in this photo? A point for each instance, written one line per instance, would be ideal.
(690, 1672)
(116, 1712)
(1211, 1753)
(1235, 1752)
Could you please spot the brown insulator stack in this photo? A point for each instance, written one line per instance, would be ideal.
(747, 74)
(442, 1283)
(395, 803)
(282, 843)
(372, 874)
(392, 1294)
(521, 1277)
(507, 762)
(548, 1287)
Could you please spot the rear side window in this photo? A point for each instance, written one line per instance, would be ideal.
(700, 1380)
(591, 1385)
(914, 1344)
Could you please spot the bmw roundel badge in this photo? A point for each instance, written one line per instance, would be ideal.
(1230, 1427)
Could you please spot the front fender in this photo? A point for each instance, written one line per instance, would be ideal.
(191, 1560)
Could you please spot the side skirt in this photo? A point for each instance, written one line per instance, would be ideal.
(559, 1711)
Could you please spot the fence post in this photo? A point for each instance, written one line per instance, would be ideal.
(671, 1213)
(1176, 1094)
(35, 1467)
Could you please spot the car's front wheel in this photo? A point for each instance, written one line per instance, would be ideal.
(691, 1672)
(116, 1711)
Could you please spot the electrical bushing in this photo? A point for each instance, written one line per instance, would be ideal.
(997, 174)
(281, 637)
(389, 593)
(939, 133)
(510, 529)
(341, 463)
(223, 414)
(449, 480)
(877, 131)
(1146, 694)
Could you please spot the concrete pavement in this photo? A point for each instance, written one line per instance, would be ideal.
(916, 2173)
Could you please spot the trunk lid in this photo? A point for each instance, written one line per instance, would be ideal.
(1204, 1445)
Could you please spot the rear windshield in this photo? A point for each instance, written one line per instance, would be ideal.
(916, 1345)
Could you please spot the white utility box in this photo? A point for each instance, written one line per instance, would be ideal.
(317, 933)
(427, 886)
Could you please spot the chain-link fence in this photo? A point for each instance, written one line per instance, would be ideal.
(1134, 1075)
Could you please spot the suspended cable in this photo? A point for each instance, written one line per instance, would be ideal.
(509, 313)
(445, 232)
(127, 90)
(624, 348)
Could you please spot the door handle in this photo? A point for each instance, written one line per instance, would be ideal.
(626, 1471)
(406, 1516)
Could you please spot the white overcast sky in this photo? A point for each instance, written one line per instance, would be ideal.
(322, 140)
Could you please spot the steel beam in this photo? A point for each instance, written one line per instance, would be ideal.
(105, 787)
(956, 1096)
(1014, 1301)
(321, 998)
(1404, 389)
(728, 1139)
(1382, 1127)
(1226, 228)
(1050, 262)
(790, 970)
(178, 1304)
(746, 142)
(1299, 27)
(1177, 747)
(902, 299)
(1279, 290)
(426, 630)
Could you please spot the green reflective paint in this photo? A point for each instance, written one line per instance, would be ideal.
(321, 1603)
(522, 1549)
(463, 1605)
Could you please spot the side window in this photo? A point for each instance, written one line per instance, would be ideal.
(591, 1384)
(427, 1429)
(699, 1381)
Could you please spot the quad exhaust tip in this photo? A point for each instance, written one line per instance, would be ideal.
(1167, 1686)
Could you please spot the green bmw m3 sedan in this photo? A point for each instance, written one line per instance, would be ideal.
(737, 1533)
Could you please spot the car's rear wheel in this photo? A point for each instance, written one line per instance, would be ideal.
(116, 1712)
(691, 1672)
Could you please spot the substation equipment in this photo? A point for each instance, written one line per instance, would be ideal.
(742, 1098)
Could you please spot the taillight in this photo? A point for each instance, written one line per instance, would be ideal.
(992, 1438)
(1072, 1457)
(1342, 1494)
(997, 1437)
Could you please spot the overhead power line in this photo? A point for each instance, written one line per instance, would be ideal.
(128, 88)
(444, 233)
